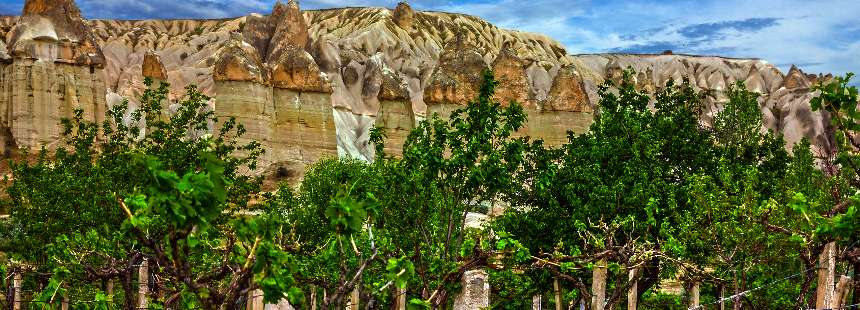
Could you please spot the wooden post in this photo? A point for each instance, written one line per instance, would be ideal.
(142, 284)
(598, 285)
(401, 298)
(633, 293)
(255, 300)
(536, 302)
(313, 297)
(736, 305)
(65, 304)
(16, 291)
(826, 271)
(694, 295)
(843, 287)
(722, 295)
(354, 299)
(557, 290)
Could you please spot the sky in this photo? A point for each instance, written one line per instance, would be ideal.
(817, 36)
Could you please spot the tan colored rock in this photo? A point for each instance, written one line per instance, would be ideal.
(393, 87)
(36, 95)
(411, 68)
(297, 70)
(568, 92)
(258, 32)
(458, 76)
(152, 66)
(404, 16)
(4, 52)
(53, 30)
(291, 31)
(510, 71)
(795, 79)
(240, 62)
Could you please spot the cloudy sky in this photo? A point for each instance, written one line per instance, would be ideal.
(818, 36)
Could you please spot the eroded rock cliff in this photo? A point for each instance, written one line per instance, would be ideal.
(313, 83)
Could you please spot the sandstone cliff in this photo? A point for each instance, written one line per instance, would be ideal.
(313, 83)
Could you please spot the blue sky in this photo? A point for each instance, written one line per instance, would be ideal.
(818, 36)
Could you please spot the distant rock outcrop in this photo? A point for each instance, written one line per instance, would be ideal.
(291, 31)
(404, 16)
(458, 75)
(152, 66)
(314, 83)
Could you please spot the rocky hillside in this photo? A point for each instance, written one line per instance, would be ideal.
(312, 83)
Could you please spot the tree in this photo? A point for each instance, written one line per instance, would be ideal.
(841, 100)
(154, 188)
(402, 220)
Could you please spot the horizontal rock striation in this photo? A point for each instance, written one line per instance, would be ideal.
(313, 83)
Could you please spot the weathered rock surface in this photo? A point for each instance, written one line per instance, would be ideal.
(458, 75)
(240, 61)
(290, 33)
(510, 70)
(53, 30)
(296, 69)
(312, 83)
(152, 66)
(568, 92)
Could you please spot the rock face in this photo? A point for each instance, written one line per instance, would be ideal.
(53, 30)
(404, 16)
(313, 83)
(458, 75)
(568, 92)
(152, 66)
(291, 31)
(53, 66)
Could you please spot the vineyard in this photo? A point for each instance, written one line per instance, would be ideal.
(652, 208)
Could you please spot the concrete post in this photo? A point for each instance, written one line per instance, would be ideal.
(143, 285)
(843, 288)
(400, 298)
(536, 302)
(476, 291)
(598, 285)
(16, 291)
(826, 272)
(255, 300)
(313, 297)
(557, 291)
(694, 295)
(633, 293)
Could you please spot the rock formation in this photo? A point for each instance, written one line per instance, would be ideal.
(313, 83)
(458, 75)
(404, 16)
(510, 70)
(152, 66)
(568, 92)
(53, 30)
(53, 66)
(291, 31)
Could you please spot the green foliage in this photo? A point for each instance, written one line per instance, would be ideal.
(148, 183)
(841, 100)
(648, 189)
